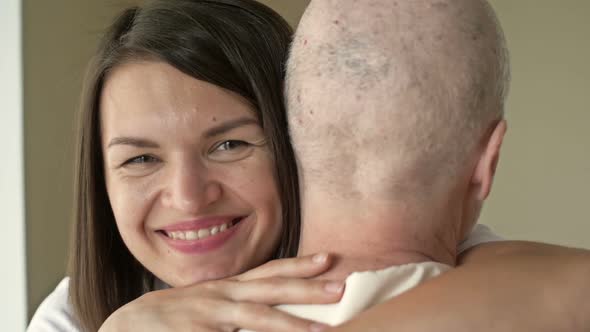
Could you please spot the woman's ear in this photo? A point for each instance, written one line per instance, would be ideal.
(483, 176)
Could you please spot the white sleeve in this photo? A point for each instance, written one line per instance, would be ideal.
(55, 312)
(479, 235)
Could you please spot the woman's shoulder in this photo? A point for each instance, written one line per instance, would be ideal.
(55, 313)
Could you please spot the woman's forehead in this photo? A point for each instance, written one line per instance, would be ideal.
(155, 91)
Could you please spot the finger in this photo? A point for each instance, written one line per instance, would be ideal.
(298, 267)
(272, 291)
(223, 315)
(262, 318)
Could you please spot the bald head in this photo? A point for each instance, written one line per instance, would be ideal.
(391, 97)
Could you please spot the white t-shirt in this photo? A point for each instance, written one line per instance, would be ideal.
(366, 289)
(55, 312)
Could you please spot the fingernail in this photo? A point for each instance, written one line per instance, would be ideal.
(334, 286)
(320, 258)
(317, 327)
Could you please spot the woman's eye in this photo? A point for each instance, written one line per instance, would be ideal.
(231, 145)
(143, 159)
(231, 150)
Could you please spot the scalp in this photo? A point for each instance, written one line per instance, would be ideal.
(392, 93)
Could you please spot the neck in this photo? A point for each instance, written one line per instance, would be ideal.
(372, 235)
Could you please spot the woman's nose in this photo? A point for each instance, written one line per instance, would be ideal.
(191, 188)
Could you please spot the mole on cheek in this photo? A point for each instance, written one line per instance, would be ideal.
(214, 119)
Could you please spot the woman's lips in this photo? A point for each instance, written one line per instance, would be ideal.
(200, 236)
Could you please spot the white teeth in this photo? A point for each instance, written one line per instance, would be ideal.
(200, 234)
(203, 233)
(192, 235)
(214, 230)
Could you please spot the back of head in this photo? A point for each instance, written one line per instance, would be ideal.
(388, 99)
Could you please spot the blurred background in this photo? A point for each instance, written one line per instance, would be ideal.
(541, 192)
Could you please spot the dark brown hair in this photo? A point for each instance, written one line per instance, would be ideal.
(239, 45)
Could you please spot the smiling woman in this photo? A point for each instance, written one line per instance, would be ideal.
(184, 172)
(180, 107)
(188, 174)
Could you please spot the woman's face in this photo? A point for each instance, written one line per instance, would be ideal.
(188, 173)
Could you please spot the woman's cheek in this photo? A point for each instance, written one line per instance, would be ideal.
(130, 200)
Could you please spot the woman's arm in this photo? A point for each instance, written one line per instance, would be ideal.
(244, 301)
(501, 286)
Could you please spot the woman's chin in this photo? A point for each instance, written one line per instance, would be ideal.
(185, 279)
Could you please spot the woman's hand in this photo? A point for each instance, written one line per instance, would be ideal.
(241, 302)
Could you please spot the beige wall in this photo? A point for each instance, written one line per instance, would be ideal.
(542, 189)
(59, 37)
(541, 192)
(290, 9)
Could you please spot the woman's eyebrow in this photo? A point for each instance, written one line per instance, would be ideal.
(217, 130)
(133, 141)
(229, 125)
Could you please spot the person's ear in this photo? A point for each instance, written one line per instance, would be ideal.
(483, 176)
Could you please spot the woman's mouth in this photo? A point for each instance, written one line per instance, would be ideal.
(203, 233)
